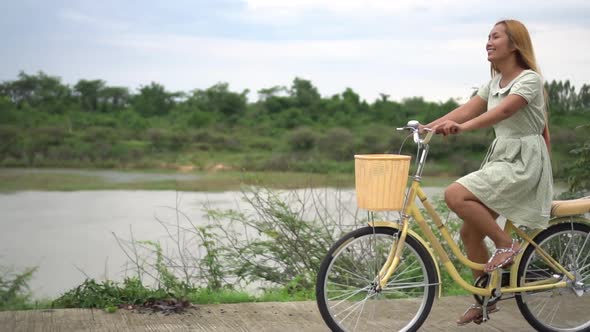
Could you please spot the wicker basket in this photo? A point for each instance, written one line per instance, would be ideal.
(381, 181)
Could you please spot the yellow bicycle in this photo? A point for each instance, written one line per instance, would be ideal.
(385, 276)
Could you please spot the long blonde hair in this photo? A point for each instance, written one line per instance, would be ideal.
(520, 39)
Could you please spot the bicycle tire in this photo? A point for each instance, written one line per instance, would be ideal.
(570, 317)
(415, 254)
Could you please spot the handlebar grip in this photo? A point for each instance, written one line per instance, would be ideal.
(428, 137)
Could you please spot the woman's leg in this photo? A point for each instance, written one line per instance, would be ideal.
(479, 222)
(475, 215)
(473, 240)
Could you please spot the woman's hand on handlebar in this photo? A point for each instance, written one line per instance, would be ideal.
(448, 127)
(422, 129)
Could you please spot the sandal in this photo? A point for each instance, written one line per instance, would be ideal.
(475, 314)
(508, 260)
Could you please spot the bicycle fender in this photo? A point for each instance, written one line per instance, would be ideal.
(421, 240)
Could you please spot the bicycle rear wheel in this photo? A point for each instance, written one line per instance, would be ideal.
(347, 294)
(562, 309)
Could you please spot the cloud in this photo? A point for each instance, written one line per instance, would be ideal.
(398, 6)
(412, 13)
(348, 6)
(90, 21)
(369, 66)
(402, 48)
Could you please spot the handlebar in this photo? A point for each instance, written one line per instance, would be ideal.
(414, 126)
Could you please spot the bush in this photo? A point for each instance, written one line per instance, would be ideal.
(579, 172)
(14, 290)
(9, 141)
(108, 294)
(231, 143)
(99, 134)
(289, 248)
(337, 144)
(132, 120)
(129, 150)
(302, 139)
(262, 143)
(166, 140)
(199, 119)
(277, 162)
(374, 142)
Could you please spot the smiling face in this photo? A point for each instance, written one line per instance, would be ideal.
(499, 47)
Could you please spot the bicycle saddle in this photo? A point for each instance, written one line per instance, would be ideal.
(570, 207)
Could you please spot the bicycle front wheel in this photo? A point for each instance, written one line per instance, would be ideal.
(347, 294)
(561, 309)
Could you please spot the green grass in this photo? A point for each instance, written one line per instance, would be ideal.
(207, 181)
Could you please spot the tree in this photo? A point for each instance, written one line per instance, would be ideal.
(304, 93)
(389, 112)
(153, 100)
(584, 98)
(218, 99)
(41, 90)
(562, 96)
(114, 98)
(88, 93)
(265, 94)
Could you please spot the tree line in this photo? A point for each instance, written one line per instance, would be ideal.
(44, 122)
(298, 105)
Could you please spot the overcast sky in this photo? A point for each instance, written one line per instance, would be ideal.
(404, 48)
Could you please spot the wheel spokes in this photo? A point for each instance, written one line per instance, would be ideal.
(560, 309)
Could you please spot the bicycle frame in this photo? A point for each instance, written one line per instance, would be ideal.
(411, 210)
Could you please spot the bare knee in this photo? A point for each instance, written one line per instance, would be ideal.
(453, 197)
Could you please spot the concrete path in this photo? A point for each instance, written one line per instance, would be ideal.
(270, 316)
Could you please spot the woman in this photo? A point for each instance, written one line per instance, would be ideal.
(515, 179)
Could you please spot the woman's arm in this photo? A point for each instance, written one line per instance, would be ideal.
(474, 107)
(507, 107)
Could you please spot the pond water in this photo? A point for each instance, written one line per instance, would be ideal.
(69, 235)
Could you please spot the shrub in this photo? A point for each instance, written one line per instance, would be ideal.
(166, 140)
(14, 290)
(132, 120)
(9, 141)
(579, 173)
(289, 247)
(99, 134)
(108, 294)
(277, 162)
(129, 150)
(337, 144)
(302, 139)
(374, 142)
